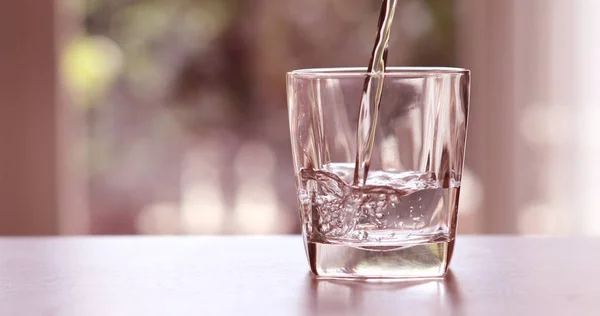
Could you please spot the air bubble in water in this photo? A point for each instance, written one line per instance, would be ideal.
(304, 197)
(362, 235)
(319, 200)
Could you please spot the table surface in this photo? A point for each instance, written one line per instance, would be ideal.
(269, 276)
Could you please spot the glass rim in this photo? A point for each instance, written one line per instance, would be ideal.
(339, 72)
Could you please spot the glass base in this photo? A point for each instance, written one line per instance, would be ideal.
(424, 260)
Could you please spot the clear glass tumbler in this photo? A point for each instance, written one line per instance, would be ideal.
(401, 222)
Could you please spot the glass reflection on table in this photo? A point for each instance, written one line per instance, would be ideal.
(358, 297)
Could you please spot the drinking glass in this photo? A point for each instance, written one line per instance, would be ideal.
(400, 222)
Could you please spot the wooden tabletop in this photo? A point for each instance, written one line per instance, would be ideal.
(87, 276)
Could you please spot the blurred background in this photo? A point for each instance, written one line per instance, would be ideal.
(169, 116)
